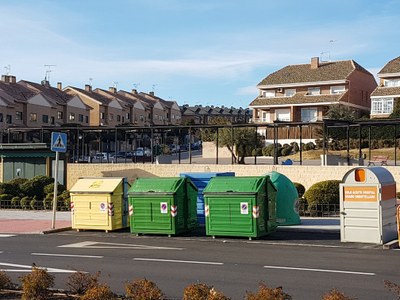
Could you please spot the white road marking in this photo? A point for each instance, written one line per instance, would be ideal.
(6, 235)
(294, 244)
(319, 270)
(67, 255)
(101, 245)
(1, 252)
(26, 268)
(179, 261)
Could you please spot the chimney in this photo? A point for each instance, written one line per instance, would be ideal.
(88, 88)
(314, 62)
(5, 78)
(134, 91)
(112, 89)
(12, 79)
(59, 85)
(152, 93)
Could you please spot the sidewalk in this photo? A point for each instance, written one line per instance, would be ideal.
(39, 222)
(33, 222)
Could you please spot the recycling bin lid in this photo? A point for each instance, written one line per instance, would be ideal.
(205, 175)
(156, 185)
(96, 185)
(234, 185)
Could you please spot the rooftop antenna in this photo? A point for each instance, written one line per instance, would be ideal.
(90, 81)
(115, 84)
(47, 76)
(136, 85)
(8, 69)
(153, 87)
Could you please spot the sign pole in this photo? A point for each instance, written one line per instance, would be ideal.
(53, 223)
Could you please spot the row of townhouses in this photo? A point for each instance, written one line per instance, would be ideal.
(304, 93)
(30, 104)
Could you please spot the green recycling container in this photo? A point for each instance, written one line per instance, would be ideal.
(287, 200)
(162, 205)
(240, 206)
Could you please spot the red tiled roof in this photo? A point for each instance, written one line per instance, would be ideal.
(392, 66)
(298, 98)
(385, 91)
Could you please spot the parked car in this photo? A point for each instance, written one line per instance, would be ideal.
(142, 152)
(101, 156)
(174, 148)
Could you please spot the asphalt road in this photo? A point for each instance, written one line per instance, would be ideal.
(305, 266)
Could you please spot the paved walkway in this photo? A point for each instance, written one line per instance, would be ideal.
(38, 222)
(33, 222)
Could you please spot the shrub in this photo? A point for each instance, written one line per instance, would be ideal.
(334, 294)
(80, 282)
(268, 150)
(264, 292)
(50, 188)
(6, 188)
(99, 292)
(300, 189)
(295, 146)
(5, 200)
(393, 287)
(48, 201)
(256, 152)
(201, 291)
(323, 192)
(35, 186)
(143, 289)
(286, 151)
(5, 281)
(16, 202)
(25, 202)
(35, 286)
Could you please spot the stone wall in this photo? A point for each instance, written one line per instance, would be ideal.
(306, 175)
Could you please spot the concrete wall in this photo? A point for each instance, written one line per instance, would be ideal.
(306, 175)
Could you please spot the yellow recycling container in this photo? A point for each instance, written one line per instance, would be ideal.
(100, 203)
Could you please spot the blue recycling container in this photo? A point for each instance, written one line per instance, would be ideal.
(200, 180)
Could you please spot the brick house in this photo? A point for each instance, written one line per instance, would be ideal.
(384, 97)
(304, 93)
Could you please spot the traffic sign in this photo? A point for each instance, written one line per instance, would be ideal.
(58, 142)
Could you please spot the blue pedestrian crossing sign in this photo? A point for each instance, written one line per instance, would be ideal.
(58, 142)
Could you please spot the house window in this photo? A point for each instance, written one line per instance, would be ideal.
(268, 93)
(290, 92)
(111, 117)
(60, 115)
(127, 116)
(309, 115)
(118, 118)
(283, 114)
(1, 118)
(80, 118)
(141, 118)
(52, 121)
(382, 106)
(33, 117)
(314, 91)
(102, 116)
(86, 119)
(71, 116)
(45, 119)
(338, 89)
(265, 117)
(18, 115)
(391, 82)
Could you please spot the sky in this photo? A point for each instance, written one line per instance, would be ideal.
(208, 52)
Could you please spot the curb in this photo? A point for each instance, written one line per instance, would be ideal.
(56, 230)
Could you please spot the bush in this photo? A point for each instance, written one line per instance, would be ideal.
(35, 186)
(143, 289)
(323, 192)
(334, 294)
(5, 200)
(99, 292)
(295, 146)
(5, 281)
(257, 152)
(16, 202)
(50, 188)
(300, 189)
(286, 151)
(25, 202)
(268, 150)
(6, 188)
(265, 292)
(35, 286)
(201, 291)
(80, 282)
(48, 201)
